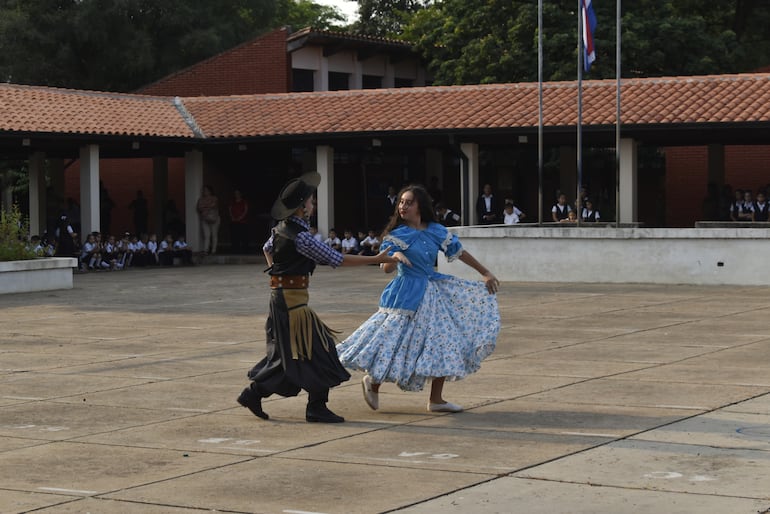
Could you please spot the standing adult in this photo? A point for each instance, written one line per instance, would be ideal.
(64, 234)
(429, 325)
(301, 351)
(141, 213)
(487, 207)
(105, 209)
(238, 210)
(208, 210)
(390, 203)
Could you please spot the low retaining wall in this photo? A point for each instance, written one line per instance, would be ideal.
(616, 255)
(36, 275)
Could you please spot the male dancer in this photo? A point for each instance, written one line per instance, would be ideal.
(301, 351)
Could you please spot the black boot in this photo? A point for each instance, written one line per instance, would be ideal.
(252, 401)
(318, 412)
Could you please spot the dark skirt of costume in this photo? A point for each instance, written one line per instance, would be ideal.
(301, 351)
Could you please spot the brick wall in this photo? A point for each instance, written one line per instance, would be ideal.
(122, 178)
(746, 167)
(255, 67)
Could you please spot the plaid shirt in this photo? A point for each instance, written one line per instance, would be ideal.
(310, 247)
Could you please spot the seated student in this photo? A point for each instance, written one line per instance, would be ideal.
(166, 251)
(370, 245)
(747, 209)
(333, 240)
(314, 232)
(349, 243)
(446, 216)
(571, 218)
(126, 249)
(90, 257)
(760, 207)
(152, 250)
(110, 254)
(561, 209)
(512, 214)
(141, 254)
(182, 250)
(590, 215)
(737, 205)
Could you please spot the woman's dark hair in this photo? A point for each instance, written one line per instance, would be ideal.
(424, 202)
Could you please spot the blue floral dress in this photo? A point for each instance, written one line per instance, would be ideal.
(428, 324)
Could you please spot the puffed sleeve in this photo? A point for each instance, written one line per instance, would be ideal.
(451, 245)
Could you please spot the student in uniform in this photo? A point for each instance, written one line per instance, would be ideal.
(590, 215)
(152, 250)
(333, 241)
(512, 214)
(737, 205)
(166, 251)
(760, 207)
(89, 256)
(747, 210)
(182, 250)
(446, 216)
(561, 209)
(370, 245)
(349, 244)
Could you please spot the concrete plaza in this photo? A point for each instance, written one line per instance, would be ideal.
(119, 396)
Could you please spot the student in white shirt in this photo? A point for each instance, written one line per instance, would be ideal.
(318, 237)
(349, 243)
(166, 251)
(590, 215)
(182, 250)
(512, 214)
(370, 245)
(90, 257)
(333, 240)
(560, 211)
(152, 250)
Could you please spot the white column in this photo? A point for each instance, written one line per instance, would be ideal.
(37, 190)
(357, 77)
(389, 80)
(159, 193)
(325, 166)
(89, 189)
(193, 184)
(321, 75)
(628, 190)
(468, 196)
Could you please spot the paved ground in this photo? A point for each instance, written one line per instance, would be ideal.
(119, 396)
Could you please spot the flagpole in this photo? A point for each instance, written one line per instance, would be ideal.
(579, 112)
(617, 112)
(540, 112)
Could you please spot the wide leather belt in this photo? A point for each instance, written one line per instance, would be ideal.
(289, 281)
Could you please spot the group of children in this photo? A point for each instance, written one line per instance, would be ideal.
(365, 244)
(107, 252)
(745, 208)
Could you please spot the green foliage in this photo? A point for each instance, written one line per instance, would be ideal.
(481, 41)
(13, 232)
(120, 45)
(385, 18)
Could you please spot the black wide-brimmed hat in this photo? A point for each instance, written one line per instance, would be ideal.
(294, 194)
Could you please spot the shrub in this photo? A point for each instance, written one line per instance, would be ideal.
(14, 245)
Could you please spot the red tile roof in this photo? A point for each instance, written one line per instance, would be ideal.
(682, 100)
(732, 99)
(333, 35)
(68, 111)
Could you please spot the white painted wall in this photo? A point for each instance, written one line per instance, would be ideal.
(36, 275)
(610, 255)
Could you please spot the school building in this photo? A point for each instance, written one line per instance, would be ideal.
(361, 111)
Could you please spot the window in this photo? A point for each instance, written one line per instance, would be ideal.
(339, 81)
(302, 80)
(403, 82)
(371, 82)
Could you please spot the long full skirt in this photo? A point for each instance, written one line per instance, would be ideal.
(454, 328)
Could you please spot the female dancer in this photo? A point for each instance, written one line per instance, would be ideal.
(428, 325)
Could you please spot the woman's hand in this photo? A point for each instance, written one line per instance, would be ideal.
(491, 282)
(403, 259)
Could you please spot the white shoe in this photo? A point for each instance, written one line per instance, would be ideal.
(444, 407)
(371, 397)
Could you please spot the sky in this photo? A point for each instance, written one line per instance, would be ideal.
(349, 8)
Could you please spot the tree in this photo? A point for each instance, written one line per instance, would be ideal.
(484, 41)
(385, 18)
(119, 45)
